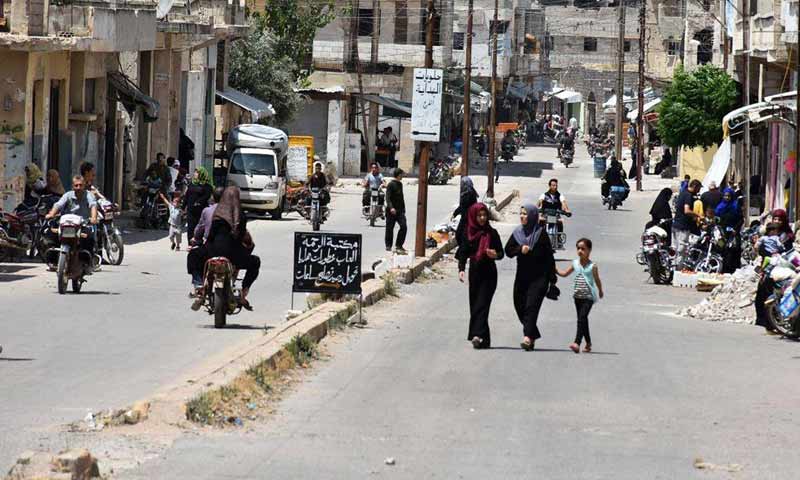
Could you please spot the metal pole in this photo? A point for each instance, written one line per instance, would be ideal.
(746, 47)
(795, 176)
(493, 114)
(466, 132)
(725, 47)
(620, 80)
(422, 192)
(640, 116)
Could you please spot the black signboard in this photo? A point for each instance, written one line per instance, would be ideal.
(327, 262)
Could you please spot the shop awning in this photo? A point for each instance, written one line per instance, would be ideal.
(256, 107)
(648, 107)
(719, 165)
(398, 108)
(130, 96)
(569, 96)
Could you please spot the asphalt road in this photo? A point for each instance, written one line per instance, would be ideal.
(658, 393)
(131, 331)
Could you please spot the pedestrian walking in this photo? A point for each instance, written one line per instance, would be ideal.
(396, 208)
(175, 221)
(482, 248)
(588, 289)
(467, 198)
(684, 221)
(535, 271)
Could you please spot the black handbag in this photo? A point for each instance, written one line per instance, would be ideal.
(553, 292)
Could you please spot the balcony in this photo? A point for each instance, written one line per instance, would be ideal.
(766, 33)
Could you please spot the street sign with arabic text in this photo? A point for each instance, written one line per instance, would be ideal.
(326, 263)
(426, 104)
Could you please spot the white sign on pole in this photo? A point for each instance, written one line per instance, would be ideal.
(426, 104)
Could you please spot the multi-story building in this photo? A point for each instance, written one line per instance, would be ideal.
(110, 83)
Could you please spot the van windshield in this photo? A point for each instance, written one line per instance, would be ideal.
(253, 164)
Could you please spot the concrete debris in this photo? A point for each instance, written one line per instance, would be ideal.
(137, 413)
(67, 465)
(389, 461)
(703, 465)
(731, 301)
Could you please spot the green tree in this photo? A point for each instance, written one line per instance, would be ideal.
(691, 113)
(293, 24)
(257, 70)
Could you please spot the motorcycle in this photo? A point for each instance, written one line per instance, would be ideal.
(567, 154)
(783, 305)
(109, 237)
(749, 240)
(219, 294)
(375, 209)
(616, 196)
(558, 240)
(439, 173)
(153, 213)
(705, 255)
(74, 263)
(656, 253)
(522, 138)
(479, 144)
(310, 207)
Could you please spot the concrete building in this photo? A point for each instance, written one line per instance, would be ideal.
(110, 83)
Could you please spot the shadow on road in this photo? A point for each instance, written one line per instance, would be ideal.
(10, 273)
(12, 359)
(239, 326)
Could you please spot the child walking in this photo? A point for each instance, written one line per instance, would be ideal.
(588, 289)
(175, 221)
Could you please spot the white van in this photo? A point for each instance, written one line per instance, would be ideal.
(257, 164)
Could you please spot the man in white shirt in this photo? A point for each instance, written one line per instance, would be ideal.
(173, 173)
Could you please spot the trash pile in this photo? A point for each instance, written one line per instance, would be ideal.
(731, 301)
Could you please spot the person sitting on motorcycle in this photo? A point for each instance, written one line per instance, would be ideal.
(614, 177)
(567, 142)
(203, 227)
(508, 142)
(374, 179)
(318, 180)
(77, 201)
(552, 199)
(89, 174)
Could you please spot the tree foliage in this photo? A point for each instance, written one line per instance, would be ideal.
(257, 70)
(293, 24)
(691, 112)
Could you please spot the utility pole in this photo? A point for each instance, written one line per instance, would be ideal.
(422, 191)
(620, 80)
(372, 133)
(795, 176)
(359, 75)
(466, 132)
(725, 46)
(640, 116)
(746, 48)
(493, 114)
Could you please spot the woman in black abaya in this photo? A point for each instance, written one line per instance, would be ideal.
(467, 198)
(482, 247)
(661, 211)
(535, 271)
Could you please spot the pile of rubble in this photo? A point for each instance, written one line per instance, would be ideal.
(731, 301)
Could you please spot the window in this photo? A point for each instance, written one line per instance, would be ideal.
(627, 46)
(365, 22)
(673, 47)
(253, 163)
(589, 44)
(458, 40)
(89, 86)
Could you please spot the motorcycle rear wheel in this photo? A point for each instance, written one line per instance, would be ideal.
(372, 219)
(61, 272)
(710, 265)
(784, 326)
(220, 308)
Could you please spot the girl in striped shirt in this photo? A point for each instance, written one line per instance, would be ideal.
(588, 289)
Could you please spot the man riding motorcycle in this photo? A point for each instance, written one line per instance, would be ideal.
(567, 142)
(552, 199)
(78, 201)
(374, 179)
(318, 180)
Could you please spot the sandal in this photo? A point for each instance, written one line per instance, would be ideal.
(246, 305)
(527, 345)
(575, 347)
(587, 348)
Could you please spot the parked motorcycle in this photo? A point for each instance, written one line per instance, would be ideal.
(552, 218)
(656, 253)
(220, 296)
(109, 237)
(706, 254)
(439, 173)
(507, 151)
(74, 262)
(375, 209)
(783, 305)
(749, 239)
(153, 213)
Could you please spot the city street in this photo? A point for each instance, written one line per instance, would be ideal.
(131, 331)
(658, 394)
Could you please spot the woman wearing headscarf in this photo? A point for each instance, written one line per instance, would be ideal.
(229, 238)
(468, 197)
(197, 197)
(780, 217)
(536, 270)
(482, 247)
(728, 210)
(54, 185)
(34, 181)
(661, 211)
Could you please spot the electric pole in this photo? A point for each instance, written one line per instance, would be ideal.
(795, 176)
(422, 191)
(493, 114)
(466, 132)
(746, 48)
(640, 116)
(620, 80)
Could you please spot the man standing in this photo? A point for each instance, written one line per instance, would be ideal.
(396, 208)
(682, 223)
(712, 197)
